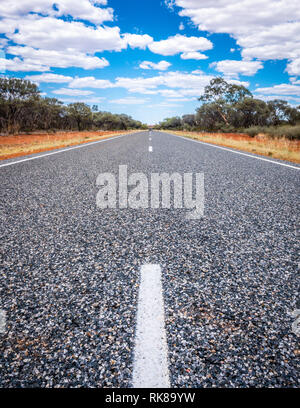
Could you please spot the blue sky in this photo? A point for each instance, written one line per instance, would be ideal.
(151, 59)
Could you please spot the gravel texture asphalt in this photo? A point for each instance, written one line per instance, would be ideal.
(70, 272)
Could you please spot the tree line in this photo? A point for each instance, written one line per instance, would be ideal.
(229, 107)
(23, 109)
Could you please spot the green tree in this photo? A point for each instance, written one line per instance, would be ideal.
(250, 112)
(222, 96)
(15, 96)
(81, 114)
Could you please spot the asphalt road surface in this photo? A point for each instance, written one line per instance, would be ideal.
(70, 272)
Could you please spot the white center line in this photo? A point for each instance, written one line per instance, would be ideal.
(150, 368)
(2, 321)
(150, 149)
(150, 138)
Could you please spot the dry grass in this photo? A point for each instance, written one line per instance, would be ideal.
(21, 145)
(281, 148)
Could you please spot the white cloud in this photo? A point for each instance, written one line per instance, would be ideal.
(272, 97)
(174, 83)
(193, 55)
(171, 84)
(232, 68)
(49, 33)
(265, 29)
(49, 78)
(181, 99)
(16, 64)
(167, 105)
(51, 42)
(129, 101)
(181, 26)
(83, 9)
(180, 43)
(198, 72)
(282, 89)
(88, 100)
(90, 82)
(137, 41)
(72, 92)
(160, 66)
(237, 82)
(293, 68)
(58, 59)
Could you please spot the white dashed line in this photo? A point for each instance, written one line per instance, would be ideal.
(2, 321)
(150, 149)
(296, 323)
(150, 138)
(150, 368)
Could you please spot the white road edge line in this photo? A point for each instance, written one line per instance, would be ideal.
(235, 151)
(65, 150)
(150, 366)
(2, 321)
(150, 149)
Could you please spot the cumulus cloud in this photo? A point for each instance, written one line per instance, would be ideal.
(59, 59)
(47, 41)
(50, 33)
(232, 68)
(49, 78)
(265, 29)
(137, 40)
(282, 89)
(160, 66)
(88, 100)
(272, 97)
(193, 55)
(16, 64)
(170, 84)
(83, 9)
(180, 44)
(72, 92)
(90, 82)
(293, 68)
(129, 101)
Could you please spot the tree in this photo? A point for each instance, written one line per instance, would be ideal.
(281, 111)
(188, 121)
(81, 114)
(171, 123)
(222, 95)
(208, 117)
(250, 112)
(15, 96)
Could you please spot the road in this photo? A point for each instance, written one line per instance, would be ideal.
(69, 283)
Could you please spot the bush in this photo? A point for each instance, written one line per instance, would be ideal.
(290, 132)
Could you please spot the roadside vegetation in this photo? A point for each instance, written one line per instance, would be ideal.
(23, 144)
(24, 110)
(230, 116)
(30, 123)
(232, 108)
(277, 148)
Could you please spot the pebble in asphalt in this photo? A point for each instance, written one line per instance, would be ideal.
(70, 272)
